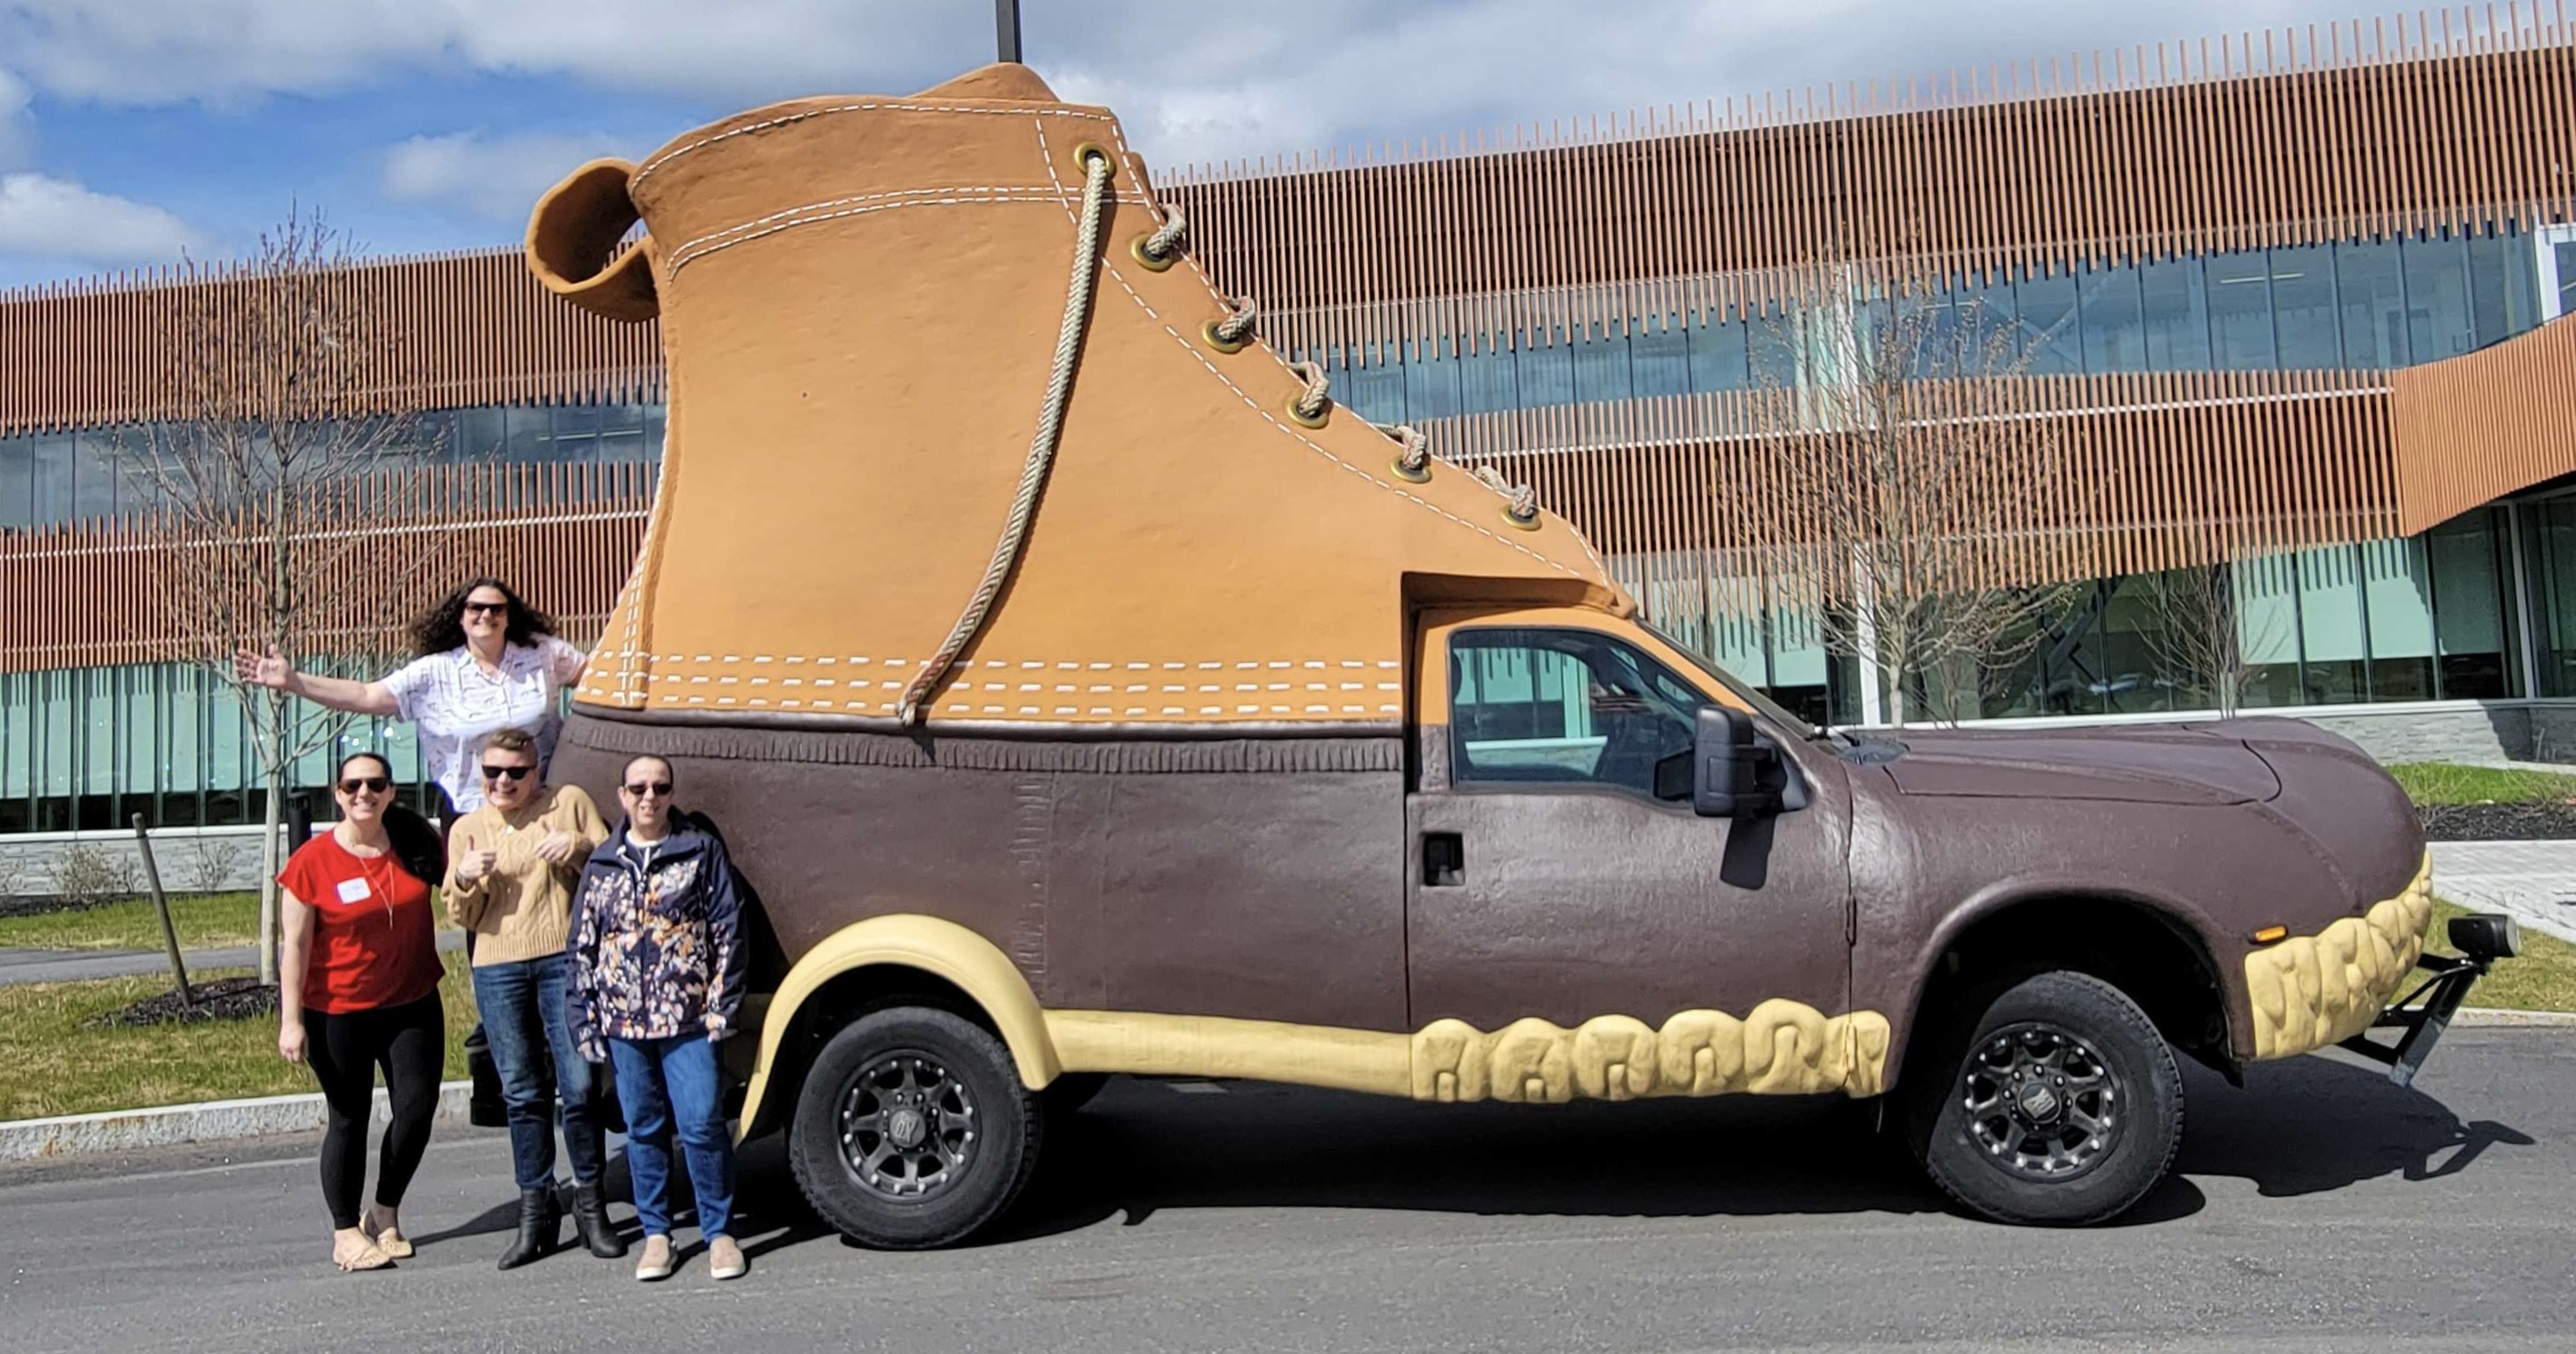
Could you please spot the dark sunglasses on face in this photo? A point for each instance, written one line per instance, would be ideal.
(640, 789)
(487, 608)
(374, 785)
(491, 772)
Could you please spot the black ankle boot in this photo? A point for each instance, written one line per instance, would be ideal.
(590, 1218)
(539, 1223)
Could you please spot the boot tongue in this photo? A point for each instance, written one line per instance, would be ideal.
(1001, 80)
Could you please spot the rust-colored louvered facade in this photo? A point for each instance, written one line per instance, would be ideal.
(1411, 264)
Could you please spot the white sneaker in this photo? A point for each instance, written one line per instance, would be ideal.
(655, 1263)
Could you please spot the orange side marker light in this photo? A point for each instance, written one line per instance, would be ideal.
(2269, 934)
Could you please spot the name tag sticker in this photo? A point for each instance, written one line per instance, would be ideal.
(354, 891)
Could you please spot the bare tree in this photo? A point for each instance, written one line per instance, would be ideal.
(1923, 480)
(275, 444)
(2209, 638)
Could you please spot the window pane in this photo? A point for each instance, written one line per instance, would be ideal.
(1661, 360)
(17, 482)
(1485, 382)
(1771, 350)
(2303, 308)
(1601, 367)
(1717, 356)
(2267, 628)
(2549, 533)
(2468, 608)
(2240, 312)
(2503, 287)
(2115, 335)
(2437, 298)
(1563, 707)
(2371, 295)
(2133, 646)
(1430, 384)
(2565, 253)
(1546, 371)
(53, 479)
(2397, 587)
(1377, 388)
(2174, 302)
(2047, 309)
(2330, 624)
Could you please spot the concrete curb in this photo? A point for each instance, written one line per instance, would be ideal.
(2489, 1017)
(169, 1125)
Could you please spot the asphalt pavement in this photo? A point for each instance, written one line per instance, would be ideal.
(2320, 1209)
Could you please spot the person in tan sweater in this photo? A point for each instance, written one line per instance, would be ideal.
(511, 868)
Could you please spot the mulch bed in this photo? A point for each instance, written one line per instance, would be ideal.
(222, 999)
(2499, 822)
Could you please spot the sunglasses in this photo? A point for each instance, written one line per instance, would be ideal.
(374, 785)
(641, 789)
(491, 772)
(486, 608)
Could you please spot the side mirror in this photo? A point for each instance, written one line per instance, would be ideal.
(1737, 773)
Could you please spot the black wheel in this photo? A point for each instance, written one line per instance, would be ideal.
(2061, 1105)
(1070, 1091)
(912, 1129)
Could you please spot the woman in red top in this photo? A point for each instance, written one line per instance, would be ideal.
(358, 989)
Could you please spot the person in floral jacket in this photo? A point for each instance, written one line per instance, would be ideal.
(657, 973)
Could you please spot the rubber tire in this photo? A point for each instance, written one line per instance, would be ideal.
(1070, 1091)
(2141, 1063)
(1007, 1153)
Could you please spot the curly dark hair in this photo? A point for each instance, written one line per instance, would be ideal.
(442, 627)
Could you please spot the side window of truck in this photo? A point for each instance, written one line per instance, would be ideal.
(1565, 707)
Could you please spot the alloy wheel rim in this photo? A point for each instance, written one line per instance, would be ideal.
(909, 1129)
(2041, 1102)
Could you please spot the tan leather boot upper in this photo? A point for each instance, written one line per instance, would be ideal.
(859, 301)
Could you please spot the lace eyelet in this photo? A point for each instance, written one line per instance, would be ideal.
(1409, 474)
(1136, 247)
(1091, 150)
(1530, 525)
(1320, 417)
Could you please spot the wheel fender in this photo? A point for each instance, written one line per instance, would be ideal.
(943, 949)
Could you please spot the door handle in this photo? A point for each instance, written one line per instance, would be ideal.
(1444, 860)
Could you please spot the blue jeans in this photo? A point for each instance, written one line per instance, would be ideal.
(522, 1005)
(668, 1084)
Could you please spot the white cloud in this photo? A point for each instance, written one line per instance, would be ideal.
(495, 177)
(14, 98)
(44, 217)
(1229, 80)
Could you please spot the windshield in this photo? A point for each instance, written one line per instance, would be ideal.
(1752, 696)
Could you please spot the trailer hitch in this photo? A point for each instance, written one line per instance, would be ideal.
(2426, 1012)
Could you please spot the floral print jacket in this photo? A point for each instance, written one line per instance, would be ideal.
(656, 940)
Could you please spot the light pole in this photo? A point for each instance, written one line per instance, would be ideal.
(1006, 29)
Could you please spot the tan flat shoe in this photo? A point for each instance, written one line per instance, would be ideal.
(390, 1240)
(724, 1259)
(364, 1255)
(655, 1262)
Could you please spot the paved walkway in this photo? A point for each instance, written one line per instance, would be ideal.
(2535, 882)
(72, 966)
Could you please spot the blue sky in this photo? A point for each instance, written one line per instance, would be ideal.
(134, 130)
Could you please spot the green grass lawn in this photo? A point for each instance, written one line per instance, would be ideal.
(205, 922)
(2542, 979)
(51, 1063)
(2443, 783)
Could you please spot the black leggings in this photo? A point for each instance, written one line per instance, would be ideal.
(410, 1043)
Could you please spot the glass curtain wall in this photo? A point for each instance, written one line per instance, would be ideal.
(52, 478)
(2359, 304)
(86, 748)
(2428, 617)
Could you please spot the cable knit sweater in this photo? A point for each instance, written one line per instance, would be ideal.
(522, 909)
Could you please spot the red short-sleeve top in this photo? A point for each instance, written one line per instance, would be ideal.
(374, 941)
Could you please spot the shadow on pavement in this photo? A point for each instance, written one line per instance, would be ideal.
(2305, 1125)
(2298, 1127)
